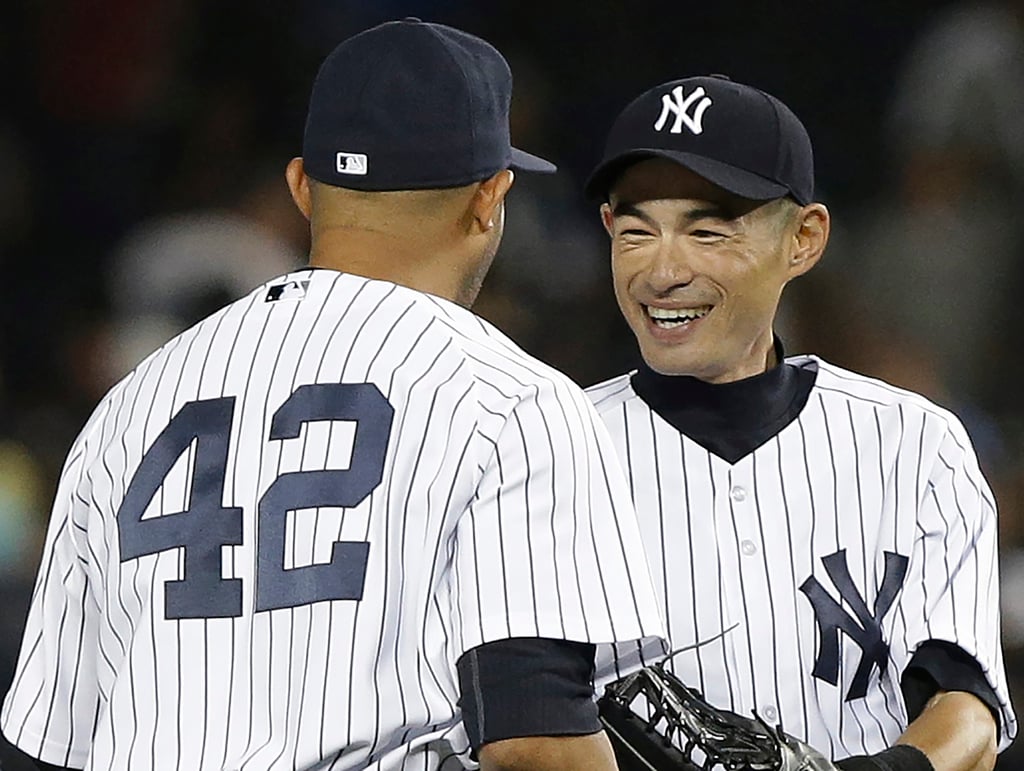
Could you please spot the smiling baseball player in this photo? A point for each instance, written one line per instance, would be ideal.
(838, 526)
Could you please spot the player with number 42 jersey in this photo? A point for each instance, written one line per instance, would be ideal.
(272, 540)
(341, 522)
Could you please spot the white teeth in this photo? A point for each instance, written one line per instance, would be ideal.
(674, 317)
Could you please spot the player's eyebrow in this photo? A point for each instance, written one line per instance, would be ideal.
(704, 211)
(627, 209)
(709, 211)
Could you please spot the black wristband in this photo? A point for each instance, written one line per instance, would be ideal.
(902, 757)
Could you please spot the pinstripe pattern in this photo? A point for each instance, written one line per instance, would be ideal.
(865, 468)
(496, 516)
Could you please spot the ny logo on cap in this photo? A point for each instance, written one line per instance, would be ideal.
(351, 163)
(674, 103)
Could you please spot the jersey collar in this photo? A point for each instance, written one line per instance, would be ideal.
(730, 420)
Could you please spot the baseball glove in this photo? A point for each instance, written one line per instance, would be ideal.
(656, 723)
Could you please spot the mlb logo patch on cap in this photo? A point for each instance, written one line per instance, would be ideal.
(351, 163)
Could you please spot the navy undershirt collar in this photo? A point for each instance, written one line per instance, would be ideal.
(730, 420)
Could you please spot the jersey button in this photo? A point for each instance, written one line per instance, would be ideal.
(738, 494)
(771, 714)
(749, 548)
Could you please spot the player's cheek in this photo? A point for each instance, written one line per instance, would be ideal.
(622, 282)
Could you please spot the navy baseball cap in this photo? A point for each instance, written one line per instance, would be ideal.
(410, 105)
(738, 137)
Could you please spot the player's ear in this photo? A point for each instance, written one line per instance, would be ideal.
(606, 217)
(810, 235)
(298, 184)
(488, 198)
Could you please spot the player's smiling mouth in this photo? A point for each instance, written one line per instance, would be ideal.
(670, 318)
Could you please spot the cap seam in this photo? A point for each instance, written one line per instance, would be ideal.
(469, 91)
(334, 149)
(777, 166)
(366, 81)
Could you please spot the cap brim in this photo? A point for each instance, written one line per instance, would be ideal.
(737, 181)
(526, 162)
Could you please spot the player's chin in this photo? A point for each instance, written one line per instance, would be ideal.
(677, 353)
(668, 359)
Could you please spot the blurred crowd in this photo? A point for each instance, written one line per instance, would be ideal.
(143, 144)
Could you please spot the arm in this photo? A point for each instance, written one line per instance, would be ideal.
(954, 711)
(550, 545)
(548, 563)
(956, 731)
(50, 709)
(954, 686)
(528, 703)
(591, 752)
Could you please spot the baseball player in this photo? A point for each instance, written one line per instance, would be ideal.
(317, 528)
(831, 535)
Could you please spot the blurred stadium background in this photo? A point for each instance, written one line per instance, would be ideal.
(143, 142)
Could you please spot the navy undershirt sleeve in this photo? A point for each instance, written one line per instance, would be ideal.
(938, 665)
(527, 687)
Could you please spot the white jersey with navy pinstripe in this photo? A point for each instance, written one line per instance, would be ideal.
(870, 502)
(274, 538)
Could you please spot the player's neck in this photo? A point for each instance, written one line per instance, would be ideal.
(424, 264)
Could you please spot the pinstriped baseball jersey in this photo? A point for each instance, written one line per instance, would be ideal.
(273, 539)
(860, 530)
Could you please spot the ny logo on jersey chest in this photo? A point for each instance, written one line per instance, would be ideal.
(865, 630)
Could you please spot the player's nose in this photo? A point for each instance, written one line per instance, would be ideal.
(670, 266)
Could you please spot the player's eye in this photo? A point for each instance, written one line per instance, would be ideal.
(635, 230)
(707, 235)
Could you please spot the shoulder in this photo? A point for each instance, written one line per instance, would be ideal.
(500, 381)
(401, 336)
(847, 385)
(611, 393)
(495, 360)
(835, 386)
